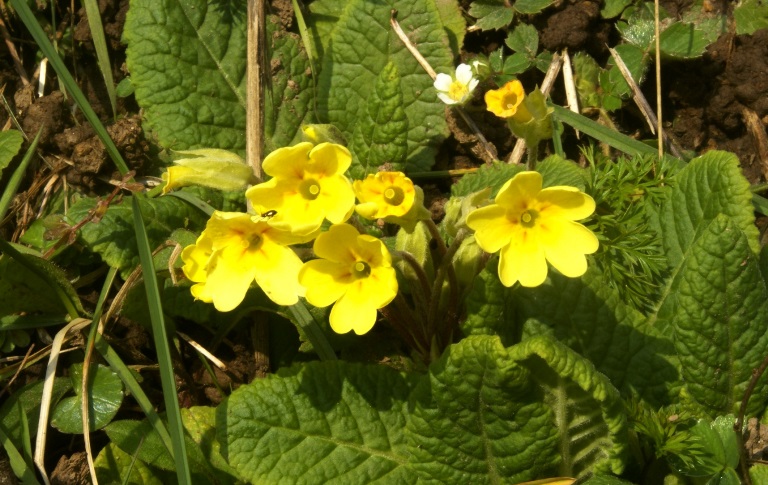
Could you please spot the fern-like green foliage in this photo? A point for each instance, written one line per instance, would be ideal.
(630, 255)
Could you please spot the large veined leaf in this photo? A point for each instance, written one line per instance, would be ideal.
(324, 422)
(188, 67)
(708, 186)
(588, 316)
(477, 419)
(361, 44)
(720, 321)
(592, 427)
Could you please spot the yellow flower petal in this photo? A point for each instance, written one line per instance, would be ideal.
(567, 202)
(529, 267)
(330, 159)
(353, 311)
(492, 228)
(519, 192)
(287, 162)
(337, 244)
(565, 244)
(277, 273)
(336, 199)
(325, 281)
(228, 282)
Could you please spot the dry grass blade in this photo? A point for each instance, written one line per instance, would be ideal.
(45, 401)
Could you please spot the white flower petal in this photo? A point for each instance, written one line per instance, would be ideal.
(445, 99)
(443, 82)
(464, 74)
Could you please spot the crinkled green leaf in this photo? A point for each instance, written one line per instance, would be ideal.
(491, 14)
(324, 422)
(140, 439)
(113, 465)
(589, 413)
(720, 321)
(381, 133)
(362, 44)
(494, 176)
(105, 396)
(588, 315)
(750, 16)
(683, 41)
(556, 170)
(759, 474)
(489, 307)
(477, 419)
(10, 143)
(21, 290)
(188, 66)
(709, 185)
(717, 453)
(113, 237)
(200, 423)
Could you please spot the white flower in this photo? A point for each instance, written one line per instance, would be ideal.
(456, 90)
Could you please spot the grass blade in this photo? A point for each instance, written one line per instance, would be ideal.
(13, 183)
(102, 55)
(161, 346)
(20, 467)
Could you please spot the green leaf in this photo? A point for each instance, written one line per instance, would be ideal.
(381, 134)
(10, 144)
(188, 69)
(613, 8)
(138, 438)
(491, 14)
(683, 41)
(719, 454)
(104, 399)
(634, 356)
(200, 423)
(489, 308)
(709, 185)
(759, 473)
(113, 237)
(23, 290)
(750, 16)
(477, 419)
(516, 64)
(556, 170)
(362, 44)
(25, 404)
(524, 39)
(589, 413)
(324, 422)
(113, 465)
(720, 320)
(494, 176)
(532, 6)
(454, 23)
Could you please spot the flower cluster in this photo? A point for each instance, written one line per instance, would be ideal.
(307, 187)
(528, 225)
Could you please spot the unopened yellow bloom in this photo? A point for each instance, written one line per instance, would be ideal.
(234, 250)
(507, 102)
(530, 226)
(355, 272)
(308, 185)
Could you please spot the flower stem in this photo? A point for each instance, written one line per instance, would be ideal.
(533, 153)
(446, 267)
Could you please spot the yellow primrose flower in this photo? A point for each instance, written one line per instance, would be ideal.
(507, 102)
(307, 186)
(456, 90)
(531, 226)
(355, 272)
(234, 250)
(390, 196)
